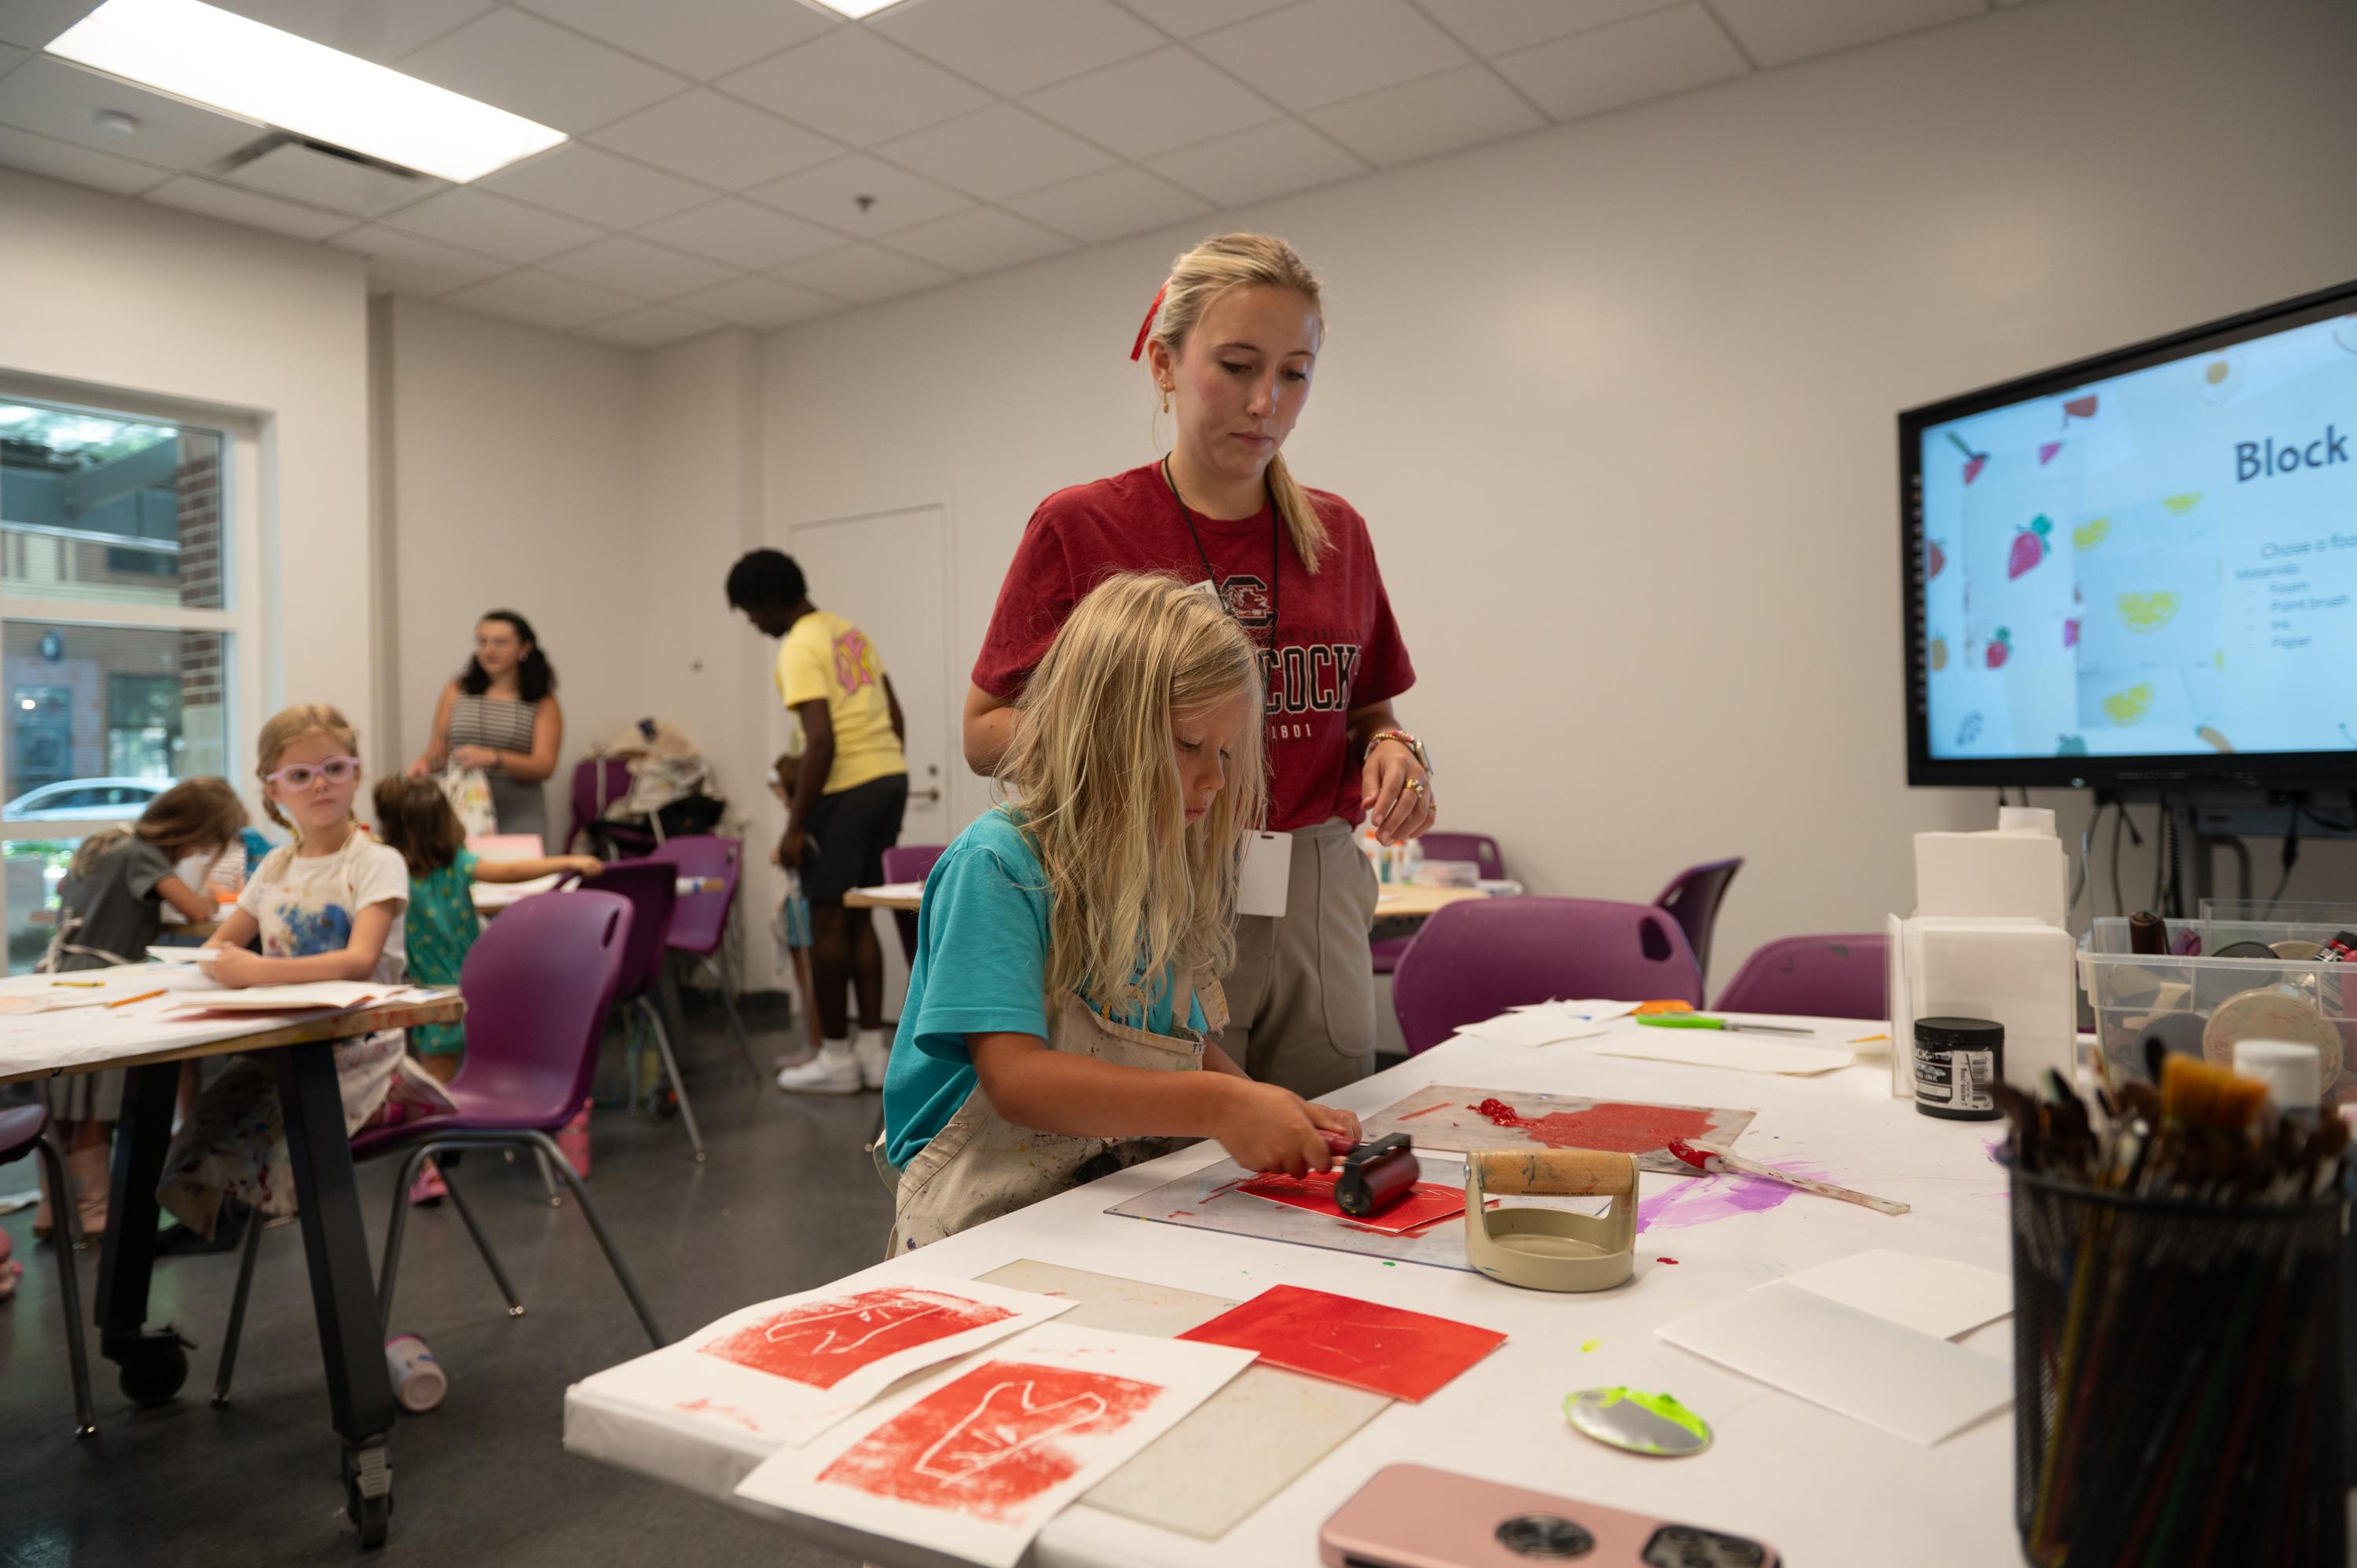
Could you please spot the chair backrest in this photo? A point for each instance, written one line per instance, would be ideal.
(1479, 848)
(652, 889)
(592, 794)
(701, 919)
(1480, 956)
(1692, 899)
(537, 983)
(909, 863)
(1821, 977)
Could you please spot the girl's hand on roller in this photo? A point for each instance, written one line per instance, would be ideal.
(1341, 1125)
(1268, 1128)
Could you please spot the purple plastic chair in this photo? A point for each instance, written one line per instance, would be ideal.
(652, 889)
(1479, 848)
(1819, 977)
(597, 783)
(699, 924)
(909, 863)
(1479, 957)
(1692, 899)
(24, 1131)
(537, 984)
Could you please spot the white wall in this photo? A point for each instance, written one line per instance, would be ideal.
(106, 292)
(1617, 399)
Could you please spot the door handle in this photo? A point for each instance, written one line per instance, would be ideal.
(933, 794)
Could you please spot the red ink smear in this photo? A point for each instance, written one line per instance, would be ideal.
(1176, 1212)
(2080, 407)
(1408, 1354)
(1498, 1110)
(823, 1342)
(705, 1407)
(1426, 1112)
(1610, 1126)
(1672, 1262)
(989, 1442)
(1426, 1203)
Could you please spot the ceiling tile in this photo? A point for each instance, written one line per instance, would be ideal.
(1185, 19)
(63, 100)
(583, 182)
(227, 202)
(700, 40)
(996, 152)
(854, 87)
(404, 262)
(980, 240)
(1245, 166)
(864, 273)
(829, 194)
(742, 234)
(1014, 45)
(33, 23)
(63, 160)
(760, 302)
(636, 267)
(543, 299)
(651, 327)
(1648, 56)
(1455, 108)
(1322, 50)
(301, 173)
(527, 67)
(717, 140)
(477, 221)
(11, 56)
(380, 31)
(1110, 205)
(1129, 107)
(1778, 32)
(1493, 27)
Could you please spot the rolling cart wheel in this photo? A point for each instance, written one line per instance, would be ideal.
(368, 1493)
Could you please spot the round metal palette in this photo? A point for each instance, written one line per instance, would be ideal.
(1637, 1422)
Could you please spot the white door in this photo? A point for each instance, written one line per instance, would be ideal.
(888, 572)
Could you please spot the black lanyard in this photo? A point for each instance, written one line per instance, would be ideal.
(1210, 572)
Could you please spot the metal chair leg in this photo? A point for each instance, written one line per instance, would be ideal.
(483, 1242)
(246, 1254)
(736, 1023)
(671, 1066)
(69, 1285)
(605, 1242)
(548, 1179)
(390, 1269)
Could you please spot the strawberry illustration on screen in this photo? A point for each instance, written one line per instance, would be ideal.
(1935, 558)
(2071, 632)
(2080, 408)
(2029, 545)
(2000, 649)
(1974, 461)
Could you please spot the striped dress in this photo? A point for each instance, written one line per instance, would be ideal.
(503, 724)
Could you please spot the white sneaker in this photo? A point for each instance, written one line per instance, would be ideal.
(872, 1050)
(833, 1072)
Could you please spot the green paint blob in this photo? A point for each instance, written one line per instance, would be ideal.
(1587, 1345)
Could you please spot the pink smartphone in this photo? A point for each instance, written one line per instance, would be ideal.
(1412, 1516)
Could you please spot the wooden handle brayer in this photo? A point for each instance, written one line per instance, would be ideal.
(1558, 1173)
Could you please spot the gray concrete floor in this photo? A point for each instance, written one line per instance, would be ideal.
(786, 1201)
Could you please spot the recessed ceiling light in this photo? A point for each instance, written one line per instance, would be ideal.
(854, 9)
(233, 63)
(114, 122)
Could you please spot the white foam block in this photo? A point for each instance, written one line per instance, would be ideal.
(2020, 875)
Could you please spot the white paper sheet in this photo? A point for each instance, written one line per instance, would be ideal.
(499, 894)
(1908, 1383)
(787, 1370)
(896, 890)
(1938, 1296)
(322, 995)
(1717, 1047)
(1549, 1022)
(972, 1462)
(1596, 1011)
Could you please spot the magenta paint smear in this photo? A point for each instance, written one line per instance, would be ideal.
(1702, 1200)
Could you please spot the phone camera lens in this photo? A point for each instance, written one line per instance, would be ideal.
(1544, 1535)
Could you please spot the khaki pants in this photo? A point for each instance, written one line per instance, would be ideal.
(1301, 997)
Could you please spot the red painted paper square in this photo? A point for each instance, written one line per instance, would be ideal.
(1426, 1203)
(1408, 1354)
(993, 1441)
(823, 1342)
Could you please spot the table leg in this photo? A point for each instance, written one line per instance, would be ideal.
(155, 1362)
(343, 1293)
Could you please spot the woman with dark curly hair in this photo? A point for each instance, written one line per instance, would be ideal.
(500, 714)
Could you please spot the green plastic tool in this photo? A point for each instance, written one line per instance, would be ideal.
(1704, 1021)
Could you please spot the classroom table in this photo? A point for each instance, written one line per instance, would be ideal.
(1826, 1490)
(1397, 901)
(154, 1362)
(490, 898)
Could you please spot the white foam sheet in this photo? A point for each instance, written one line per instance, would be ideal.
(973, 1461)
(833, 1333)
(1908, 1383)
(1938, 1296)
(1549, 1022)
(1722, 1047)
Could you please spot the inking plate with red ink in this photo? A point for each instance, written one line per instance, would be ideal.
(975, 1461)
(1452, 1116)
(785, 1370)
(1408, 1354)
(1426, 1203)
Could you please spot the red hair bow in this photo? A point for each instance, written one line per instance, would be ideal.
(1147, 325)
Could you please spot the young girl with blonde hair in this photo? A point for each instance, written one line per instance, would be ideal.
(1070, 940)
(327, 908)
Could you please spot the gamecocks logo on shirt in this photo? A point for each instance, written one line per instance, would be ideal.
(1247, 599)
(855, 660)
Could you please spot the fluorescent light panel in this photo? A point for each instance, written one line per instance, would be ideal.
(854, 9)
(234, 63)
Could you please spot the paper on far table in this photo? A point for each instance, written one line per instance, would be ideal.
(1546, 1023)
(329, 995)
(1717, 1047)
(1594, 1010)
(975, 1461)
(1868, 1368)
(896, 890)
(1938, 1296)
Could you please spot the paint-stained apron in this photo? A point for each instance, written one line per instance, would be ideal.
(982, 1166)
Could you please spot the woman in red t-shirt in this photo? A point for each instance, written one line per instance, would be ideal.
(1232, 341)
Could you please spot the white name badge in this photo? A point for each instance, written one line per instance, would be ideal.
(1268, 869)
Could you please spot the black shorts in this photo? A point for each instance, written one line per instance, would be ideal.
(845, 834)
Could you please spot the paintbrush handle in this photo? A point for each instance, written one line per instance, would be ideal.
(1806, 1184)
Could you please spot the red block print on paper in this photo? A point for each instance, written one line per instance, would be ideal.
(993, 1441)
(1426, 1203)
(1408, 1354)
(821, 1343)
